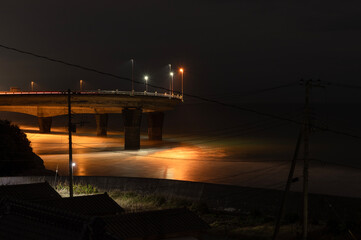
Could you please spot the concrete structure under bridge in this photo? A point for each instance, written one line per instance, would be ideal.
(131, 105)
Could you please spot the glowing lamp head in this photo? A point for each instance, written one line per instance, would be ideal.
(171, 73)
(73, 164)
(181, 70)
(146, 78)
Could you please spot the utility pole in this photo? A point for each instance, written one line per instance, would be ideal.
(70, 147)
(288, 185)
(309, 84)
(306, 132)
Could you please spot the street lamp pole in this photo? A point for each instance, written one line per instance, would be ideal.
(171, 75)
(132, 60)
(170, 78)
(181, 70)
(81, 85)
(70, 147)
(146, 83)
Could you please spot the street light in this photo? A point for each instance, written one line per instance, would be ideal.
(170, 79)
(81, 85)
(132, 60)
(32, 86)
(146, 82)
(72, 171)
(181, 71)
(171, 75)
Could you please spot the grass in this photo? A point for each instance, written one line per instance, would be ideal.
(135, 201)
(78, 189)
(253, 225)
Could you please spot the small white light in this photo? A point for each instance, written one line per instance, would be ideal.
(73, 164)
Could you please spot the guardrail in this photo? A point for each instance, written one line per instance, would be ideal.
(130, 93)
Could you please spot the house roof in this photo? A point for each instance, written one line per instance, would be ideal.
(25, 220)
(91, 205)
(154, 224)
(29, 192)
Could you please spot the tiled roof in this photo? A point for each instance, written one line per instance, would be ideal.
(91, 205)
(154, 224)
(24, 220)
(29, 192)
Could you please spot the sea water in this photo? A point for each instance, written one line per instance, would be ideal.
(209, 144)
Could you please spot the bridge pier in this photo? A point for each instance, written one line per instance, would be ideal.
(102, 124)
(155, 125)
(132, 119)
(44, 124)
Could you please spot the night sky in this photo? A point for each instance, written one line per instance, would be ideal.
(224, 46)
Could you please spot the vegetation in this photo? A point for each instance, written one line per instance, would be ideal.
(226, 223)
(16, 155)
(135, 201)
(78, 189)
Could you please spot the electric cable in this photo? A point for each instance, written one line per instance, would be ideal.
(254, 92)
(185, 94)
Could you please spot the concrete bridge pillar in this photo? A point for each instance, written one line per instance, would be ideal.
(44, 124)
(132, 119)
(155, 125)
(102, 124)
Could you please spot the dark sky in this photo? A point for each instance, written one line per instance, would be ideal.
(225, 46)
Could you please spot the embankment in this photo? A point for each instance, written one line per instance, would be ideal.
(217, 196)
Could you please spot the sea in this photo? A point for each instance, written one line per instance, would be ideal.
(214, 144)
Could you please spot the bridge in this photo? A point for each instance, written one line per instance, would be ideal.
(47, 104)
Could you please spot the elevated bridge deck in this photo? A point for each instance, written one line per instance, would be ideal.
(54, 103)
(47, 104)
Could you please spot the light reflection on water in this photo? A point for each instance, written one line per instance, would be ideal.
(169, 159)
(246, 163)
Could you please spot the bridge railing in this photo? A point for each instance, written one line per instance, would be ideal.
(29, 93)
(129, 93)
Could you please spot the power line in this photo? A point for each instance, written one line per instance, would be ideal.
(262, 170)
(352, 86)
(254, 125)
(75, 65)
(250, 93)
(185, 94)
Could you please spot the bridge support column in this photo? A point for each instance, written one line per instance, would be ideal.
(102, 124)
(44, 124)
(132, 119)
(155, 125)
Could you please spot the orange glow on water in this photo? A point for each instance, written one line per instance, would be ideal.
(189, 153)
(241, 163)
